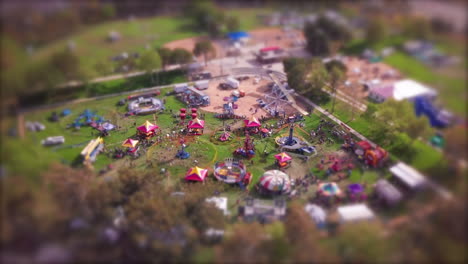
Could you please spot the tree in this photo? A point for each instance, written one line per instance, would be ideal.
(232, 23)
(302, 235)
(108, 11)
(364, 243)
(317, 40)
(417, 27)
(67, 63)
(181, 56)
(165, 54)
(149, 61)
(336, 77)
(205, 48)
(376, 31)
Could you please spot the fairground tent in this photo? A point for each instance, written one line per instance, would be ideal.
(252, 122)
(196, 174)
(130, 143)
(282, 157)
(147, 127)
(196, 123)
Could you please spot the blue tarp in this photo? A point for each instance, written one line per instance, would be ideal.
(66, 112)
(423, 106)
(235, 36)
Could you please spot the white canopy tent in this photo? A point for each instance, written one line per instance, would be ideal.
(316, 213)
(408, 89)
(355, 212)
(408, 175)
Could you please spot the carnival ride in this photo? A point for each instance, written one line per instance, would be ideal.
(294, 144)
(274, 182)
(144, 105)
(232, 171)
(90, 152)
(248, 150)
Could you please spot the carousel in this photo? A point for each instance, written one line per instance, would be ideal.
(196, 174)
(274, 182)
(283, 160)
(147, 130)
(195, 127)
(232, 171)
(252, 125)
(329, 192)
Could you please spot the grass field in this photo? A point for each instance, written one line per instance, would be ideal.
(136, 35)
(425, 155)
(451, 89)
(27, 156)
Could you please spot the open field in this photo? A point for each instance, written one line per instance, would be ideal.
(92, 47)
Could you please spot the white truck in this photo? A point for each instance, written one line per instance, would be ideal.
(180, 88)
(202, 85)
(232, 82)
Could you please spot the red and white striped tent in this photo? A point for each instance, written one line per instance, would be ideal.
(275, 181)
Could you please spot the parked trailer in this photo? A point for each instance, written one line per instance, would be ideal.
(202, 85)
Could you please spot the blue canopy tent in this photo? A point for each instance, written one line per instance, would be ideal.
(237, 36)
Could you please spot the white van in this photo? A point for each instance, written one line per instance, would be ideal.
(202, 85)
(232, 82)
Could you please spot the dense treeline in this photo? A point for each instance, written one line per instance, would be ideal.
(134, 217)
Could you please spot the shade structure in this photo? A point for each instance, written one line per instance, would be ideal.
(329, 189)
(275, 181)
(147, 127)
(238, 35)
(355, 188)
(282, 157)
(196, 123)
(196, 174)
(130, 143)
(252, 122)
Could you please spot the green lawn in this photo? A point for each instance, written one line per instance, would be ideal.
(92, 47)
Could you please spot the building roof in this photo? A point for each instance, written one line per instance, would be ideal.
(355, 212)
(408, 89)
(408, 175)
(270, 48)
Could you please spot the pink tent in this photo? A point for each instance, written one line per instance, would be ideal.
(147, 127)
(196, 123)
(283, 157)
(252, 122)
(196, 174)
(131, 143)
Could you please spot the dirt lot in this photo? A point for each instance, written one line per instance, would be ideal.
(275, 37)
(361, 70)
(189, 44)
(247, 104)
